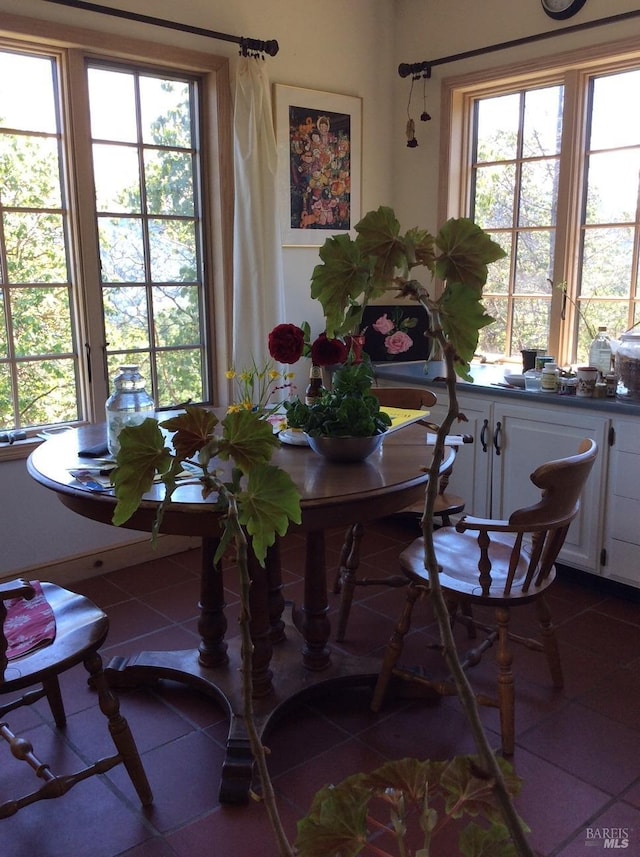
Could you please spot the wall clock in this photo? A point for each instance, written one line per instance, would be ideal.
(560, 9)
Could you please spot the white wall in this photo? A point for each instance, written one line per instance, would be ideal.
(344, 46)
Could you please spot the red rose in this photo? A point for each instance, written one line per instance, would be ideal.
(328, 352)
(286, 342)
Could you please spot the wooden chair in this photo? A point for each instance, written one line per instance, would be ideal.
(447, 504)
(493, 563)
(78, 629)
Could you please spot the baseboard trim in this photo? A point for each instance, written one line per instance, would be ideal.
(72, 569)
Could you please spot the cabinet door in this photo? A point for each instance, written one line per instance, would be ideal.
(471, 473)
(529, 436)
(622, 540)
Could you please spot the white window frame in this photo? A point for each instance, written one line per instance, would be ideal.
(73, 46)
(573, 69)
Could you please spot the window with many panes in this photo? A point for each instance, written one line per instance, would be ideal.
(103, 234)
(549, 164)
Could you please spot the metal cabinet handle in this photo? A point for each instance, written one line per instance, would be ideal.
(483, 435)
(497, 437)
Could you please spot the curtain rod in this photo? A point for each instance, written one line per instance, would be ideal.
(405, 69)
(270, 47)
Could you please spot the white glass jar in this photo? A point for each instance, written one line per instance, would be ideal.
(549, 378)
(129, 405)
(628, 367)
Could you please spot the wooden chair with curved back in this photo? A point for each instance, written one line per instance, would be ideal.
(44, 631)
(502, 564)
(447, 504)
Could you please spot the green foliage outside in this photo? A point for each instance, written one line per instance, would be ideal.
(38, 295)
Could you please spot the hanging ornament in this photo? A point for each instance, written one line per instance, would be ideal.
(424, 116)
(411, 134)
(411, 125)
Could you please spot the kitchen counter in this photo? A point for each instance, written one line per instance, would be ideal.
(486, 377)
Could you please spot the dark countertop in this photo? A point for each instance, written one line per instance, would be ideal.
(486, 378)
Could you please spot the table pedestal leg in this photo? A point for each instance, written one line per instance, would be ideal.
(313, 622)
(212, 623)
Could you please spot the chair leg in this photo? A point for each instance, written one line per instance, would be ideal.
(395, 646)
(119, 729)
(506, 693)
(54, 697)
(349, 562)
(549, 642)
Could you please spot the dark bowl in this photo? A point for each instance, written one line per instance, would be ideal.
(346, 448)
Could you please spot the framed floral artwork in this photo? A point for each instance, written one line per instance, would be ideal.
(395, 332)
(319, 139)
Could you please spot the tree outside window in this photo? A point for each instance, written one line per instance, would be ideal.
(151, 291)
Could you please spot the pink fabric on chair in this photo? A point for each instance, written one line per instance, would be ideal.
(29, 625)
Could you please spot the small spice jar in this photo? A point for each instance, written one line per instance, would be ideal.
(549, 378)
(568, 386)
(611, 383)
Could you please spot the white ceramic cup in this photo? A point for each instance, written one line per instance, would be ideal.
(587, 376)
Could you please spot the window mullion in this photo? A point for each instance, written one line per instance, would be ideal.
(87, 263)
(562, 334)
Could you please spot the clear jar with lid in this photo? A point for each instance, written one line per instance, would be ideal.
(627, 362)
(129, 405)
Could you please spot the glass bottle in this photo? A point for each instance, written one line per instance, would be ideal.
(628, 367)
(600, 352)
(129, 405)
(314, 390)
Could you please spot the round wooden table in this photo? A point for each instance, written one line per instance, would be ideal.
(291, 648)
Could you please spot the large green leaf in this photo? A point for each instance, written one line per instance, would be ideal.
(476, 841)
(340, 280)
(246, 439)
(192, 430)
(336, 823)
(142, 454)
(268, 503)
(469, 790)
(379, 236)
(462, 315)
(467, 250)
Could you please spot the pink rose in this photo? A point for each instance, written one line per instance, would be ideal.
(383, 325)
(398, 342)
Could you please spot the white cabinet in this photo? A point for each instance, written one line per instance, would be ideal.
(622, 526)
(510, 441)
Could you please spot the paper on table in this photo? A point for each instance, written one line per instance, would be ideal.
(450, 439)
(403, 416)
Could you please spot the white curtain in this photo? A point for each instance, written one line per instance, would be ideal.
(258, 290)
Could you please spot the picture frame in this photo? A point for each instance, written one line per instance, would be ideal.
(319, 143)
(395, 333)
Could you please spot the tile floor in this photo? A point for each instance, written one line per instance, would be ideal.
(578, 750)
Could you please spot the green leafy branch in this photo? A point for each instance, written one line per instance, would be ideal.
(262, 496)
(421, 796)
(355, 271)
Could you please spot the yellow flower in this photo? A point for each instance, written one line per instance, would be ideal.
(254, 387)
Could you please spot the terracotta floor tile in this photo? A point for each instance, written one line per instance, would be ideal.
(576, 749)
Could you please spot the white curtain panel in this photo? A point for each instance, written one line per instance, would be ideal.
(258, 288)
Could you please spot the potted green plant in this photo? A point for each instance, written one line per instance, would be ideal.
(346, 423)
